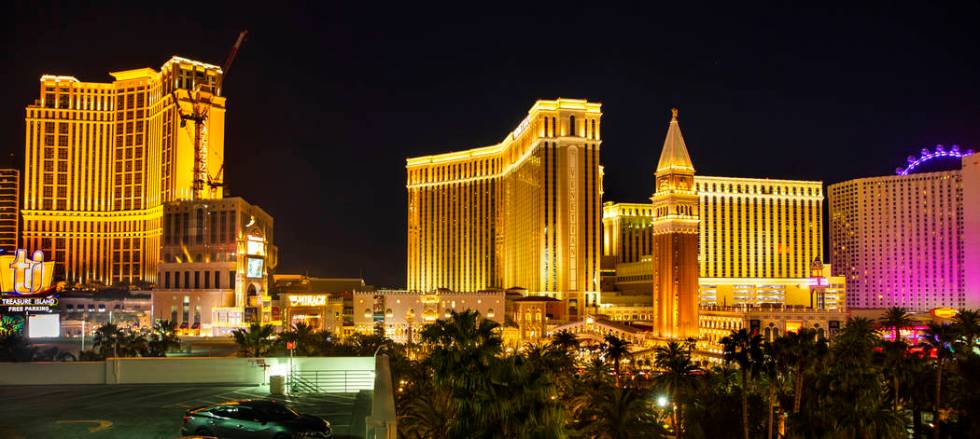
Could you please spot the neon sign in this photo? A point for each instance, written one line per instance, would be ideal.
(944, 313)
(20, 276)
(308, 300)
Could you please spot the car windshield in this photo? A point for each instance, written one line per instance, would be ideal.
(276, 412)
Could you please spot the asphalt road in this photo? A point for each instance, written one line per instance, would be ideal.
(144, 411)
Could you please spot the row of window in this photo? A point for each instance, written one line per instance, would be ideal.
(197, 280)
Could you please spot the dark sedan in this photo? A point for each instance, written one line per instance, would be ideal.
(254, 418)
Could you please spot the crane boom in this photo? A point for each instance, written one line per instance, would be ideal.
(232, 54)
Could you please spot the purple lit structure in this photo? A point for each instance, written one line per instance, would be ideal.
(926, 156)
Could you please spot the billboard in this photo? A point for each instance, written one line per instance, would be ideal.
(254, 268)
(43, 325)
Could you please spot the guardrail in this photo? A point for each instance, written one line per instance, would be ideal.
(331, 381)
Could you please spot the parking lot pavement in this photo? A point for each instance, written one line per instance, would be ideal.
(141, 411)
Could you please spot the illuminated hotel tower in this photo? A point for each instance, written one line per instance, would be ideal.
(675, 240)
(102, 158)
(522, 213)
(904, 240)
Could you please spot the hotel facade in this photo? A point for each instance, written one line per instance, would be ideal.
(904, 240)
(525, 212)
(101, 159)
(217, 256)
(757, 239)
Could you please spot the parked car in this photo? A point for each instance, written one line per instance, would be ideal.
(253, 419)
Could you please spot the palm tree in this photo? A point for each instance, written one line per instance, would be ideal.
(674, 361)
(616, 349)
(894, 366)
(463, 352)
(771, 365)
(15, 347)
(565, 340)
(618, 412)
(939, 338)
(744, 349)
(967, 323)
(526, 384)
(133, 344)
(107, 340)
(254, 341)
(895, 318)
(799, 351)
(163, 338)
(305, 338)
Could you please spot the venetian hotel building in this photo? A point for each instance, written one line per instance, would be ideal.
(757, 239)
(101, 159)
(524, 212)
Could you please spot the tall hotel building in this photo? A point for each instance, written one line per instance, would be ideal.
(902, 240)
(9, 209)
(524, 212)
(757, 240)
(102, 158)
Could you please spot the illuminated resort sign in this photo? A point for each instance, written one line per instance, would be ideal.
(944, 313)
(26, 283)
(308, 300)
(21, 276)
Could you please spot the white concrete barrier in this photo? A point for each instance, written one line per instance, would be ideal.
(182, 370)
(74, 372)
(224, 370)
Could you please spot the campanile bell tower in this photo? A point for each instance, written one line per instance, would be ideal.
(675, 240)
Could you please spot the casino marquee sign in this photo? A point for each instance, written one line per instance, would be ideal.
(26, 282)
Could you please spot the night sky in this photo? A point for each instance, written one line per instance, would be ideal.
(325, 100)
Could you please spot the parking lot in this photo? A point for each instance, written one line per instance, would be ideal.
(146, 411)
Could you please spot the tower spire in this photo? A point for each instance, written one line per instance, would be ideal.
(675, 240)
(674, 156)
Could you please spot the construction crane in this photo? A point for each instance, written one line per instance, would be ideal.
(200, 99)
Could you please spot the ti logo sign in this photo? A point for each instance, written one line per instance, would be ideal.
(21, 276)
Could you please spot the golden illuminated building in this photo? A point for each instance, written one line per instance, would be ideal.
(675, 245)
(750, 228)
(404, 314)
(756, 240)
(102, 158)
(524, 212)
(216, 258)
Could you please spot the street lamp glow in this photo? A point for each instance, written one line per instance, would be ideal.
(661, 401)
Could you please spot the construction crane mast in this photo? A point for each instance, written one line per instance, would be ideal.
(200, 99)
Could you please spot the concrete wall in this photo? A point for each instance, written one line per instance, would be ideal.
(183, 370)
(332, 363)
(228, 370)
(76, 372)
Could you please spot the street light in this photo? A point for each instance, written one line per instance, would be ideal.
(662, 401)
